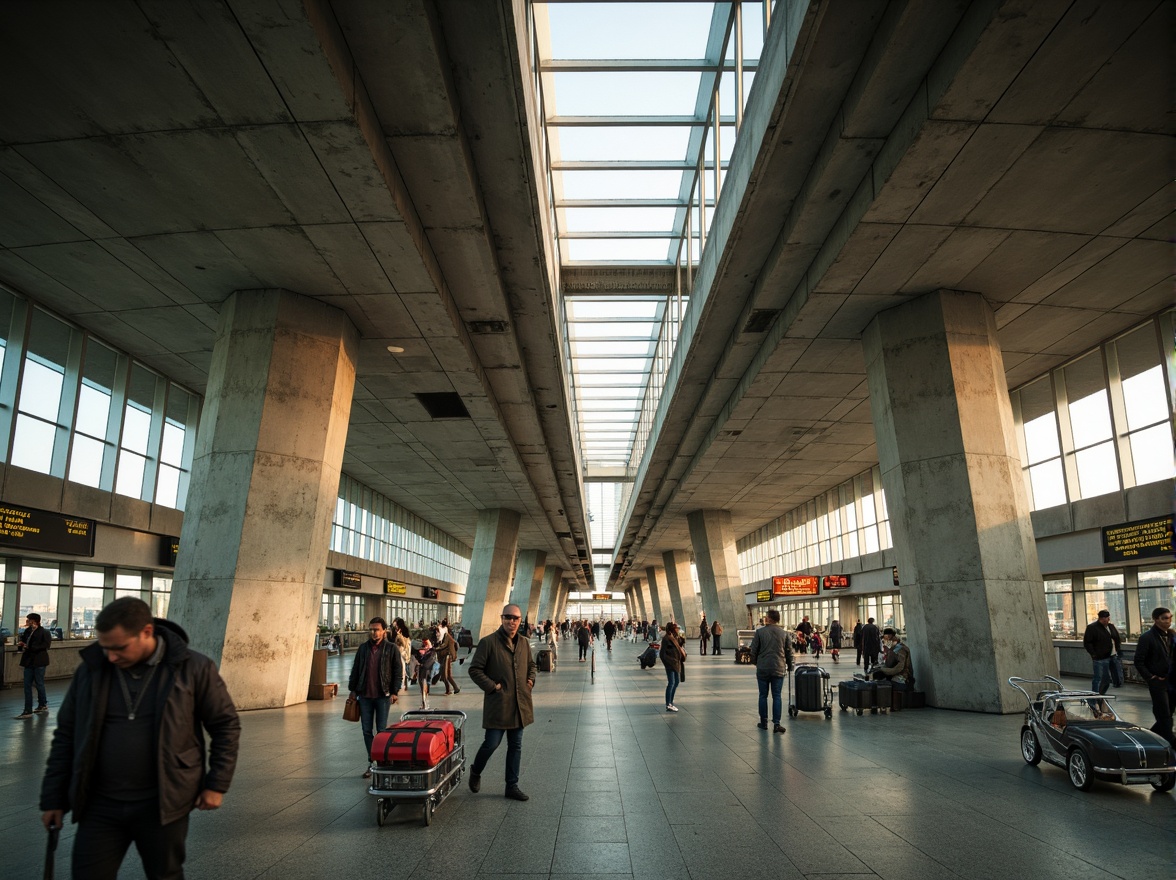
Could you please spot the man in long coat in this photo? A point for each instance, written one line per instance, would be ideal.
(505, 671)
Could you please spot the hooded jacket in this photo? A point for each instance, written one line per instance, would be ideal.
(192, 698)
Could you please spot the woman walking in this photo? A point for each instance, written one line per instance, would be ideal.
(703, 636)
(673, 658)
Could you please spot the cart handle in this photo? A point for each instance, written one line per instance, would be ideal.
(1017, 682)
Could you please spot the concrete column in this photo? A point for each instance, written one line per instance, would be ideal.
(491, 564)
(959, 512)
(679, 582)
(562, 588)
(265, 480)
(718, 566)
(664, 597)
(549, 588)
(528, 582)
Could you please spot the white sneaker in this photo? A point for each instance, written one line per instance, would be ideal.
(670, 707)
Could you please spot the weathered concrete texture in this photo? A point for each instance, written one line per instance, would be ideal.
(718, 566)
(264, 485)
(959, 514)
(528, 582)
(680, 582)
(664, 604)
(549, 587)
(493, 559)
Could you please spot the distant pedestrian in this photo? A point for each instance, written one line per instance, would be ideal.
(871, 643)
(610, 630)
(703, 635)
(673, 658)
(426, 656)
(716, 638)
(1101, 641)
(33, 645)
(584, 639)
(857, 641)
(835, 640)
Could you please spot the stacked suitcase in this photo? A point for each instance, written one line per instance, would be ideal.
(860, 695)
(417, 760)
(813, 693)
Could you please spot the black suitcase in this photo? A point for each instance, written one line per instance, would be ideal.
(810, 689)
(648, 657)
(743, 655)
(855, 694)
(545, 661)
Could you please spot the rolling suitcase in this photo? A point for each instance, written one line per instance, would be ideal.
(545, 661)
(855, 694)
(743, 655)
(810, 689)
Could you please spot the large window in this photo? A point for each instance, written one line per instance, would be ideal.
(1105, 591)
(1090, 426)
(1157, 589)
(85, 601)
(1059, 606)
(1145, 405)
(73, 407)
(38, 592)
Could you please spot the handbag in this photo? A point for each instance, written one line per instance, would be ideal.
(351, 708)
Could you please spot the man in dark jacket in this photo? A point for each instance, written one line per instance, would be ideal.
(505, 671)
(376, 674)
(1101, 641)
(610, 630)
(34, 645)
(1154, 661)
(128, 756)
(771, 652)
(857, 641)
(871, 643)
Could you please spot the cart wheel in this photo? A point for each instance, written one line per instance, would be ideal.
(1030, 747)
(427, 812)
(1166, 784)
(383, 808)
(859, 711)
(828, 712)
(1081, 775)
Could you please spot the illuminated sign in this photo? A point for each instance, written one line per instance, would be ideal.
(395, 588)
(763, 596)
(835, 582)
(169, 549)
(351, 580)
(797, 585)
(1133, 540)
(601, 597)
(41, 530)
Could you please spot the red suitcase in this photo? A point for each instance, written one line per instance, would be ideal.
(414, 742)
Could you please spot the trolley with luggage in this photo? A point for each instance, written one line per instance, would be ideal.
(743, 639)
(418, 760)
(813, 693)
(860, 693)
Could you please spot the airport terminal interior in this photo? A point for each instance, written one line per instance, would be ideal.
(318, 310)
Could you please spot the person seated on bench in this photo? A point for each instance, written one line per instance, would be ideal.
(896, 662)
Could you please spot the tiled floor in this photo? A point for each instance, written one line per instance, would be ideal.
(620, 788)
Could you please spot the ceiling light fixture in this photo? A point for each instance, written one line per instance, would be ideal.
(395, 349)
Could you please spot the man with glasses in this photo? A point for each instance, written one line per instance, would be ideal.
(376, 675)
(505, 671)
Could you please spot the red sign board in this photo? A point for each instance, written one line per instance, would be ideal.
(797, 585)
(835, 582)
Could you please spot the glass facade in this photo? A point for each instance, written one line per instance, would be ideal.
(369, 526)
(72, 407)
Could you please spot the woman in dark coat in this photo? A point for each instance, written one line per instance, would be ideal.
(673, 658)
(584, 638)
(835, 639)
(703, 636)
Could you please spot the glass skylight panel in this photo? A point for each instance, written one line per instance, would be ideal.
(580, 308)
(624, 250)
(610, 219)
(628, 380)
(626, 30)
(624, 93)
(621, 184)
(614, 143)
(614, 329)
(605, 348)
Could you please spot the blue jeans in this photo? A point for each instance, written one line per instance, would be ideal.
(1102, 676)
(514, 753)
(777, 685)
(35, 675)
(673, 679)
(373, 709)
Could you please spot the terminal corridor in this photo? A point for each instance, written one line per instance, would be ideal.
(621, 788)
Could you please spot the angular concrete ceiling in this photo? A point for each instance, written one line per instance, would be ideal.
(156, 156)
(1020, 149)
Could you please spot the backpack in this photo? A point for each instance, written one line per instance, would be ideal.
(718, 629)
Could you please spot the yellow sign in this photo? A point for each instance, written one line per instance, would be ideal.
(395, 588)
(763, 596)
(601, 597)
(1142, 538)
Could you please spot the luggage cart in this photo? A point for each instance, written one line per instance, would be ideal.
(743, 639)
(813, 694)
(397, 782)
